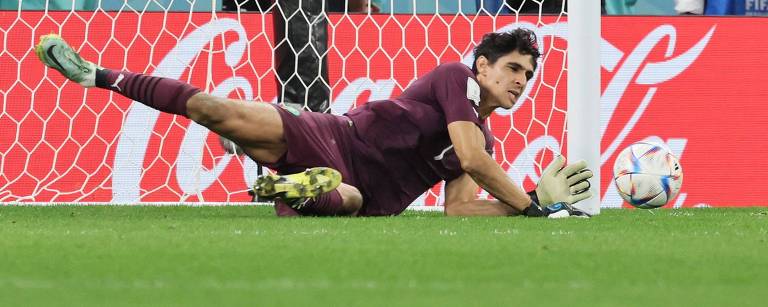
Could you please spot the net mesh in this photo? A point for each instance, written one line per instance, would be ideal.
(60, 142)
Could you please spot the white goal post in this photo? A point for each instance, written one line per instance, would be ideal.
(584, 92)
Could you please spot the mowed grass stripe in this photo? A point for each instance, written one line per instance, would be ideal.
(243, 255)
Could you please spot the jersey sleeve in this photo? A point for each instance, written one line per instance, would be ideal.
(457, 93)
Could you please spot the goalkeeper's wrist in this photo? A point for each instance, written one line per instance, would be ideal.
(534, 196)
(534, 209)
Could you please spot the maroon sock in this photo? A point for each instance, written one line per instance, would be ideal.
(326, 204)
(163, 94)
(284, 210)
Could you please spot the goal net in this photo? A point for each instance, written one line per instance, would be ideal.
(60, 143)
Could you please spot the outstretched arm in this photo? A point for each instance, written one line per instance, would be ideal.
(469, 144)
(460, 200)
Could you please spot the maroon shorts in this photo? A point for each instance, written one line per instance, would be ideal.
(321, 139)
(316, 139)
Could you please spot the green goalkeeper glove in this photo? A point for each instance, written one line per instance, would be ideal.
(563, 184)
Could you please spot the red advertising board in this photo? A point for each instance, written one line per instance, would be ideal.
(699, 85)
(696, 84)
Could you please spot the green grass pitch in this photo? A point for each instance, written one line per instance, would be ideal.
(244, 256)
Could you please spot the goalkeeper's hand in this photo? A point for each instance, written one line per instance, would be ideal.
(563, 184)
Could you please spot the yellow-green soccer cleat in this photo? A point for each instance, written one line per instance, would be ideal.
(309, 183)
(55, 53)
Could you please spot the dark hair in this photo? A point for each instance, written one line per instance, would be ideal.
(496, 45)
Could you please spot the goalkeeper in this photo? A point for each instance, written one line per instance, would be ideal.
(378, 158)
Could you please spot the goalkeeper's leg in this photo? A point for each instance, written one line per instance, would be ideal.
(256, 127)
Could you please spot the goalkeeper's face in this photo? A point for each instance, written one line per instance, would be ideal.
(504, 80)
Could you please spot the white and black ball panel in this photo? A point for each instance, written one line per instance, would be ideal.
(675, 169)
(624, 185)
(675, 179)
(638, 189)
(642, 157)
(658, 201)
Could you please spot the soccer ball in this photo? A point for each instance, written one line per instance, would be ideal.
(647, 175)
